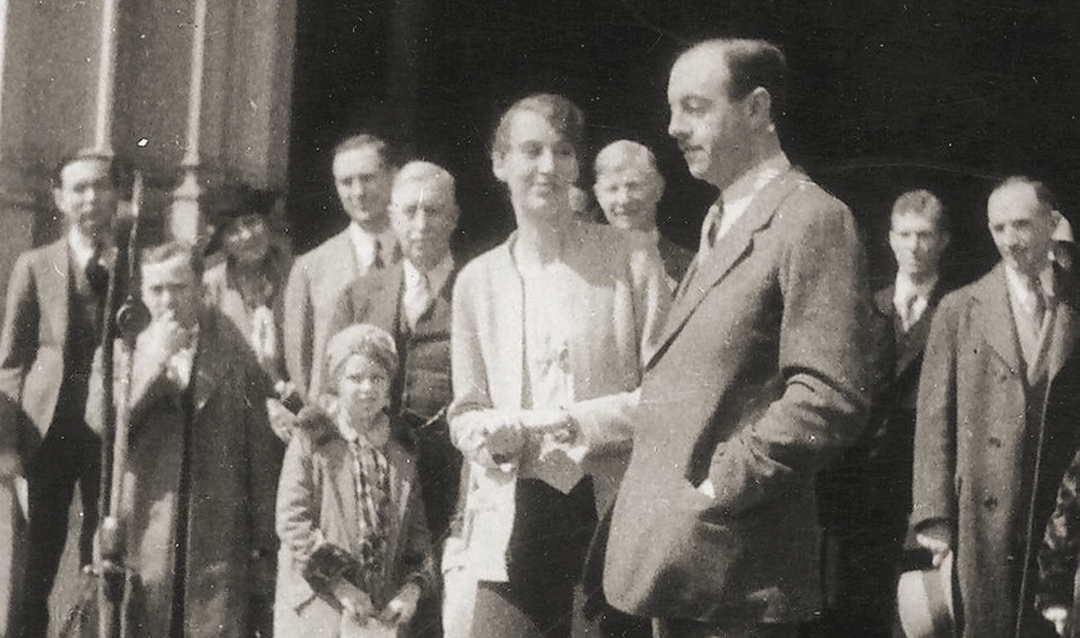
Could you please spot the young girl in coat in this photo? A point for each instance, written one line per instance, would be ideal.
(355, 551)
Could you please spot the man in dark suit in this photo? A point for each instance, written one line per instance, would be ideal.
(362, 176)
(758, 378)
(866, 496)
(996, 418)
(628, 188)
(55, 304)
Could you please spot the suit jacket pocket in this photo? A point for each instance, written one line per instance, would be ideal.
(677, 560)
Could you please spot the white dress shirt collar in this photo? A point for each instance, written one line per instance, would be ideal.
(366, 245)
(82, 249)
(436, 277)
(741, 192)
(918, 292)
(1019, 291)
(905, 287)
(182, 362)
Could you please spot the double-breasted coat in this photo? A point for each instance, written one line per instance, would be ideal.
(977, 442)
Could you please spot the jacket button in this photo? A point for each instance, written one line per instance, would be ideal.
(990, 503)
(995, 441)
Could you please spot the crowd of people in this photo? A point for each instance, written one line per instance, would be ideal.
(588, 430)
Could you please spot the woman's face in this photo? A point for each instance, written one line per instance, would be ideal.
(247, 238)
(539, 166)
(363, 388)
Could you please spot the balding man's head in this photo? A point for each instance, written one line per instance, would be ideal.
(628, 185)
(423, 212)
(1021, 217)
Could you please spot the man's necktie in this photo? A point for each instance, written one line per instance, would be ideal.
(417, 299)
(710, 229)
(378, 263)
(1038, 301)
(97, 275)
(907, 312)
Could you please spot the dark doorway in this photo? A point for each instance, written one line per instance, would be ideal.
(885, 96)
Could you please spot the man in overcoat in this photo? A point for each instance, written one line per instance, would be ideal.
(996, 419)
(198, 488)
(758, 380)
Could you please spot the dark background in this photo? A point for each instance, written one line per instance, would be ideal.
(884, 96)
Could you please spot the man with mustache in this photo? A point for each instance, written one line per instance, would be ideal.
(758, 380)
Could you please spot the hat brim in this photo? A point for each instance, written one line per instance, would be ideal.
(924, 600)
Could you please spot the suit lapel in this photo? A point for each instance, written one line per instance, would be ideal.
(211, 362)
(344, 490)
(728, 251)
(437, 317)
(384, 304)
(54, 273)
(1063, 334)
(399, 487)
(346, 252)
(508, 287)
(910, 346)
(994, 318)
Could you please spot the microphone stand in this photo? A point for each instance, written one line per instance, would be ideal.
(123, 324)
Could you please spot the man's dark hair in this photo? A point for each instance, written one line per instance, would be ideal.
(754, 63)
(176, 248)
(56, 178)
(366, 140)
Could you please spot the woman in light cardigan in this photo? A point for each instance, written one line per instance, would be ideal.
(551, 331)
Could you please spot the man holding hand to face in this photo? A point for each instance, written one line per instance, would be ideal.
(197, 497)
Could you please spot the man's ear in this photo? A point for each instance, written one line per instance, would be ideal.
(759, 107)
(498, 167)
(58, 198)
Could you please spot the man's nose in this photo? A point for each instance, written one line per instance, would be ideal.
(676, 128)
(547, 160)
(91, 195)
(423, 219)
(1010, 237)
